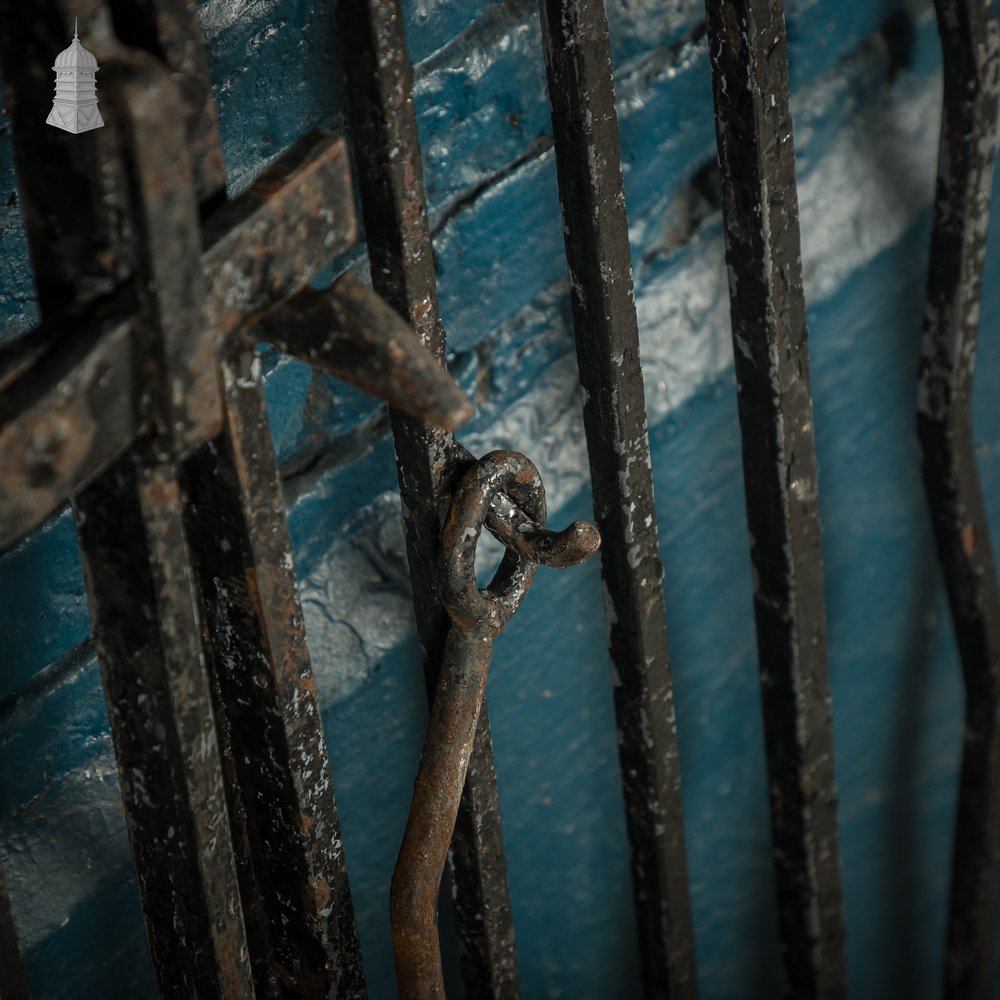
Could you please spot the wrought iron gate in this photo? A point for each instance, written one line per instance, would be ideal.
(139, 397)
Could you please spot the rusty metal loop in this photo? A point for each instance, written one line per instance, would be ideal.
(488, 609)
(516, 530)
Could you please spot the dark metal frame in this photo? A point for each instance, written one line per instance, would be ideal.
(747, 47)
(139, 398)
(588, 159)
(971, 46)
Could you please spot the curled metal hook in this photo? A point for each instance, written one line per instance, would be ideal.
(511, 524)
(500, 472)
(478, 616)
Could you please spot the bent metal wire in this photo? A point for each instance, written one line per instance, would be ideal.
(971, 46)
(477, 618)
(139, 398)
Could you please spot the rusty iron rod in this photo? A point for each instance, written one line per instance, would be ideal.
(319, 954)
(477, 618)
(971, 47)
(63, 420)
(148, 637)
(748, 52)
(595, 226)
(437, 794)
(348, 331)
(302, 932)
(509, 524)
(293, 875)
(301, 929)
(171, 31)
(144, 606)
(390, 181)
(281, 958)
(183, 396)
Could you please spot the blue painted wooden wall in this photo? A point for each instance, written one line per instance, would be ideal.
(866, 92)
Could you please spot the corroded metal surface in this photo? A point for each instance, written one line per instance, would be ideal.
(290, 856)
(268, 243)
(390, 181)
(518, 531)
(169, 29)
(477, 618)
(60, 388)
(52, 441)
(182, 399)
(143, 603)
(290, 852)
(347, 330)
(754, 129)
(239, 854)
(147, 630)
(971, 47)
(588, 158)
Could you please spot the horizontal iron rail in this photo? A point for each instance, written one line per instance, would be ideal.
(748, 51)
(350, 332)
(588, 160)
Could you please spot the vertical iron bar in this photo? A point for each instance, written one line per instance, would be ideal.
(971, 50)
(148, 638)
(760, 207)
(390, 180)
(13, 984)
(588, 158)
(294, 876)
(477, 618)
(183, 394)
(143, 606)
(171, 31)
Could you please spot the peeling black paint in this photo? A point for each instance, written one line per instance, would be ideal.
(747, 46)
(588, 158)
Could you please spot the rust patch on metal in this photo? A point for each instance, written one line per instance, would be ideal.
(477, 617)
